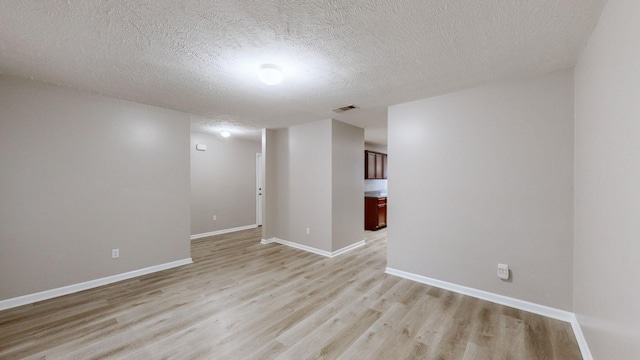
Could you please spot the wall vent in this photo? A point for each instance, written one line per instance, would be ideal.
(344, 108)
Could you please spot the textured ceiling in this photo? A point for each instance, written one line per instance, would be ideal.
(201, 56)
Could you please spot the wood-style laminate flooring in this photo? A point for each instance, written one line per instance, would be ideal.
(244, 300)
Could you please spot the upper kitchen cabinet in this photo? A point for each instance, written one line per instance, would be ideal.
(369, 165)
(375, 165)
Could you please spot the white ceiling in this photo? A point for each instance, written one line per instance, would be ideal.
(201, 56)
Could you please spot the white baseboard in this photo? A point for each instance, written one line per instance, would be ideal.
(543, 310)
(582, 342)
(484, 295)
(298, 246)
(223, 231)
(65, 290)
(347, 248)
(312, 249)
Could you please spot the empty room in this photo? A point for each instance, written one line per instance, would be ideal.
(344, 179)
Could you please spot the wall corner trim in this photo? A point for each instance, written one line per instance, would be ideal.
(223, 231)
(543, 310)
(312, 249)
(70, 289)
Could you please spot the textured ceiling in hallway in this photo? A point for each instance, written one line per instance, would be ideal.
(201, 56)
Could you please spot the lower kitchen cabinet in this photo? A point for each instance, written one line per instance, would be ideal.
(375, 212)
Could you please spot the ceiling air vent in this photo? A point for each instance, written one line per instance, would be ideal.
(344, 108)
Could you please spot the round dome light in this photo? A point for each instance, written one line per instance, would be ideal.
(270, 74)
(225, 133)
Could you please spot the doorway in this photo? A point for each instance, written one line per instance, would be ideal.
(259, 187)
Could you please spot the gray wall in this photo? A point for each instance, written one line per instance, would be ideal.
(82, 174)
(607, 187)
(301, 181)
(309, 155)
(484, 176)
(302, 185)
(223, 182)
(270, 184)
(347, 169)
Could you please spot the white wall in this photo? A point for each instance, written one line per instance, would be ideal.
(607, 186)
(81, 174)
(484, 176)
(307, 167)
(223, 183)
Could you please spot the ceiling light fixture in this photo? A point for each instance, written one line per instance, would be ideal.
(270, 74)
(225, 133)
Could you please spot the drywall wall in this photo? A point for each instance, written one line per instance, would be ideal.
(313, 177)
(270, 197)
(607, 185)
(223, 183)
(310, 184)
(484, 176)
(82, 174)
(375, 147)
(302, 186)
(347, 161)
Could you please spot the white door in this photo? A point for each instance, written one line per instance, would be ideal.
(259, 187)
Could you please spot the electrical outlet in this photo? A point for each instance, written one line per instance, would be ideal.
(115, 253)
(503, 271)
(215, 218)
(308, 231)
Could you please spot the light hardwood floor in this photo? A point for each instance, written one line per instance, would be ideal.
(244, 300)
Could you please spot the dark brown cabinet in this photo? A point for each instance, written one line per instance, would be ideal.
(384, 166)
(375, 165)
(370, 165)
(375, 212)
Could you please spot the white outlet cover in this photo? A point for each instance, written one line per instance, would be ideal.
(503, 271)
